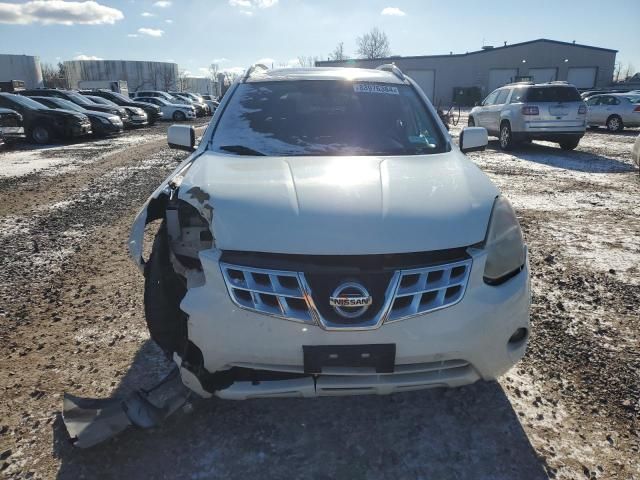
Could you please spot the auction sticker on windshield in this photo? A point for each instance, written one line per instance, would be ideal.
(375, 88)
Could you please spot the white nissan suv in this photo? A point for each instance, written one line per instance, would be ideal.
(327, 237)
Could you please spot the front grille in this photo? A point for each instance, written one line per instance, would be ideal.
(301, 296)
(424, 290)
(271, 292)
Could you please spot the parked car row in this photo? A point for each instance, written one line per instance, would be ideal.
(554, 111)
(45, 114)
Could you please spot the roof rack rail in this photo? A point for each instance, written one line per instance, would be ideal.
(523, 82)
(562, 82)
(391, 67)
(252, 69)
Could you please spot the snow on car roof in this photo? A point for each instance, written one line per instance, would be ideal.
(324, 73)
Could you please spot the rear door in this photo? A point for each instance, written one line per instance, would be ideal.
(558, 105)
(493, 116)
(595, 110)
(483, 115)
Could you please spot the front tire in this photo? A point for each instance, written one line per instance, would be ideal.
(614, 123)
(163, 292)
(506, 137)
(179, 116)
(569, 144)
(41, 134)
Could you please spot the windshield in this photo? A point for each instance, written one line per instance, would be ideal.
(634, 98)
(26, 102)
(327, 118)
(120, 97)
(77, 98)
(67, 105)
(101, 101)
(553, 94)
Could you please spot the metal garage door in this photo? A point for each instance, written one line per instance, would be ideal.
(541, 75)
(582, 77)
(501, 76)
(426, 80)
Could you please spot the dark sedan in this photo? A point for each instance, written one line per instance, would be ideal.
(153, 111)
(102, 124)
(78, 99)
(11, 126)
(44, 124)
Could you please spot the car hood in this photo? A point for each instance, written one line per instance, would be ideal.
(60, 112)
(143, 105)
(341, 205)
(105, 109)
(96, 114)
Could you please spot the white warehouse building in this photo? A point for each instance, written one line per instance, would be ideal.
(21, 67)
(469, 77)
(138, 75)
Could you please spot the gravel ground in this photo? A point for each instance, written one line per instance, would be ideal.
(71, 319)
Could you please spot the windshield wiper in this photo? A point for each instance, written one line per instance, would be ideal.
(241, 150)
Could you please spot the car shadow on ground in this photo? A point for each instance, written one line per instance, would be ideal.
(470, 432)
(576, 160)
(627, 132)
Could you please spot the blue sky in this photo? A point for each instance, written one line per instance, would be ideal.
(236, 33)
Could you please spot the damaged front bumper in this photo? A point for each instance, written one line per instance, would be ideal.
(92, 421)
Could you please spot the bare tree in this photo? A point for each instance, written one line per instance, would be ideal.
(616, 73)
(338, 53)
(373, 44)
(54, 77)
(214, 70)
(307, 61)
(629, 72)
(182, 80)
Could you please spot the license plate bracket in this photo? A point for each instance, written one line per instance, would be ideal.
(380, 356)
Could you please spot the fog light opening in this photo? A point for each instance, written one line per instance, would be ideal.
(519, 335)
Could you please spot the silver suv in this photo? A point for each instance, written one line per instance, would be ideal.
(521, 112)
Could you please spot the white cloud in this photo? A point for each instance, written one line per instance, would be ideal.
(133, 35)
(152, 32)
(168, 21)
(60, 12)
(233, 70)
(220, 60)
(247, 7)
(393, 12)
(162, 4)
(148, 14)
(86, 57)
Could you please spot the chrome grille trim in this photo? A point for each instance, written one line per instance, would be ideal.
(272, 292)
(424, 290)
(287, 294)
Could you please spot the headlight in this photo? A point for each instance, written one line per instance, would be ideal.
(504, 244)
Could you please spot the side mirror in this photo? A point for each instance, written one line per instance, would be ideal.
(473, 139)
(182, 137)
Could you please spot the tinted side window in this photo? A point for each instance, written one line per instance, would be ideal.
(553, 94)
(593, 101)
(502, 97)
(518, 95)
(491, 99)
